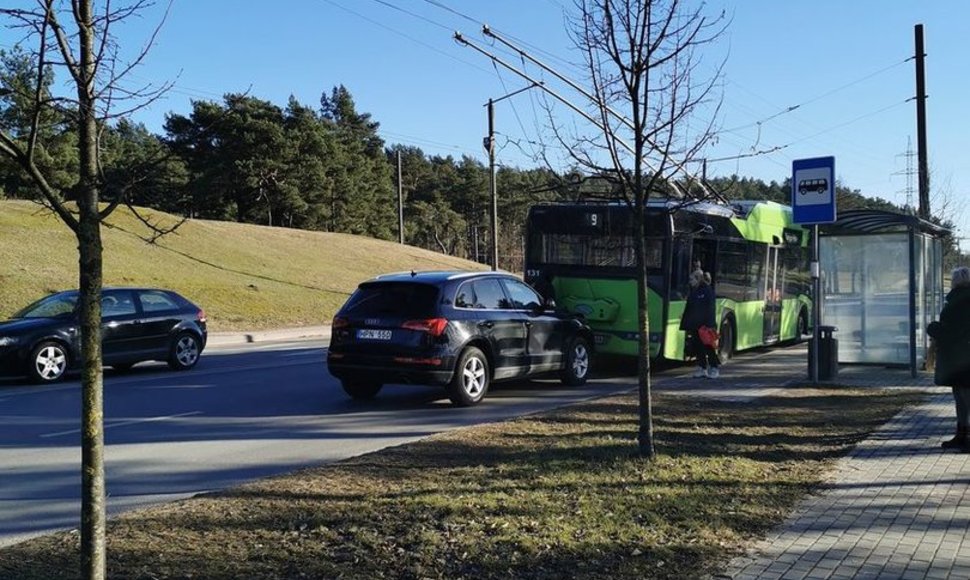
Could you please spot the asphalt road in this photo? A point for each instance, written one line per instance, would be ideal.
(241, 414)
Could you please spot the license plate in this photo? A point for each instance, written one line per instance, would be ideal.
(373, 334)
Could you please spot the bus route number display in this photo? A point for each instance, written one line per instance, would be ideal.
(593, 220)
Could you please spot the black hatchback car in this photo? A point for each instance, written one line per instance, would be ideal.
(462, 330)
(43, 340)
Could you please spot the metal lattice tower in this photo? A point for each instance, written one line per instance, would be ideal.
(910, 173)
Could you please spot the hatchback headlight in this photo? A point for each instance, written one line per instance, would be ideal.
(7, 341)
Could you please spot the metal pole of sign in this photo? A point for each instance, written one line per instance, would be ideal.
(816, 305)
(814, 202)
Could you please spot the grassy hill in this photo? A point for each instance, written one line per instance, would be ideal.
(244, 276)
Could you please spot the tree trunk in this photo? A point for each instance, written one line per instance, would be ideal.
(645, 433)
(93, 556)
(93, 516)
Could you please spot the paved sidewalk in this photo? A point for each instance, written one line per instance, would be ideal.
(897, 507)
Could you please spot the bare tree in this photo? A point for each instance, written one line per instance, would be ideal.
(77, 37)
(949, 211)
(649, 94)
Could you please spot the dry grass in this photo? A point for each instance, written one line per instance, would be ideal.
(245, 276)
(560, 495)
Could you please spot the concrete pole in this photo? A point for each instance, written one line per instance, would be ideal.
(924, 172)
(492, 184)
(400, 201)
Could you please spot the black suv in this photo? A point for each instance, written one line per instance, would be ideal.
(458, 329)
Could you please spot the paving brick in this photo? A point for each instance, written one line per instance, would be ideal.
(896, 507)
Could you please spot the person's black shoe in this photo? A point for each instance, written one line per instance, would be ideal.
(954, 443)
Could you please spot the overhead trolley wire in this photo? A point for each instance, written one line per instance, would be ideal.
(479, 22)
(452, 10)
(515, 111)
(427, 142)
(414, 14)
(813, 136)
(407, 36)
(795, 107)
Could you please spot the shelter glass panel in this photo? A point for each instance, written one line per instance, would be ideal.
(865, 281)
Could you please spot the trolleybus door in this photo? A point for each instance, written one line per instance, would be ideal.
(772, 294)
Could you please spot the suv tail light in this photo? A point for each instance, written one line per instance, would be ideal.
(433, 326)
(340, 322)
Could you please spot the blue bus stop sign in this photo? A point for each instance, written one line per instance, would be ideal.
(813, 190)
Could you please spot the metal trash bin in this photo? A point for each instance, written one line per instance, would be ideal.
(828, 354)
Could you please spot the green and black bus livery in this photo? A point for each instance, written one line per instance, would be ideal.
(582, 253)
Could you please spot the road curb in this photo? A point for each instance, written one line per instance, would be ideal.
(302, 333)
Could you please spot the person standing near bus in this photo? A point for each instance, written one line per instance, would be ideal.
(952, 336)
(699, 311)
(545, 287)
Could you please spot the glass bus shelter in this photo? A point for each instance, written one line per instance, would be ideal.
(882, 283)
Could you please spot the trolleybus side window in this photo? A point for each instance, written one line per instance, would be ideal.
(732, 268)
(756, 272)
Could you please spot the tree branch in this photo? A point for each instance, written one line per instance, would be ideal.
(9, 147)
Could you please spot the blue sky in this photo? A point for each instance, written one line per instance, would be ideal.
(843, 62)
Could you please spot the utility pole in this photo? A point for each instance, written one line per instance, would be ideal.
(489, 143)
(400, 201)
(924, 172)
(474, 232)
(493, 188)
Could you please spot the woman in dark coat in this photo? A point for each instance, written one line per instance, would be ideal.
(699, 312)
(952, 336)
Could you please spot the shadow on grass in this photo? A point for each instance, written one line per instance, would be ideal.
(551, 496)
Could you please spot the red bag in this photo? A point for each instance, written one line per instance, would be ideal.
(708, 336)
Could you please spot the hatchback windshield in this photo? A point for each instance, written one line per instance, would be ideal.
(379, 299)
(50, 307)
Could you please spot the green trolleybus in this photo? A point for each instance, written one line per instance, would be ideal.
(582, 255)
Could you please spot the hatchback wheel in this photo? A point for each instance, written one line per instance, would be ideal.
(48, 361)
(470, 382)
(577, 363)
(185, 352)
(361, 390)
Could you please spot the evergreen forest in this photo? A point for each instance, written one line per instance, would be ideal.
(316, 167)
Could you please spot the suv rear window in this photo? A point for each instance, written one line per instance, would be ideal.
(379, 299)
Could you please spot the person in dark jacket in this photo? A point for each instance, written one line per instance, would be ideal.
(545, 287)
(698, 312)
(952, 336)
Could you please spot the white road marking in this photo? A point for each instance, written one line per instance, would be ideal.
(124, 423)
(319, 357)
